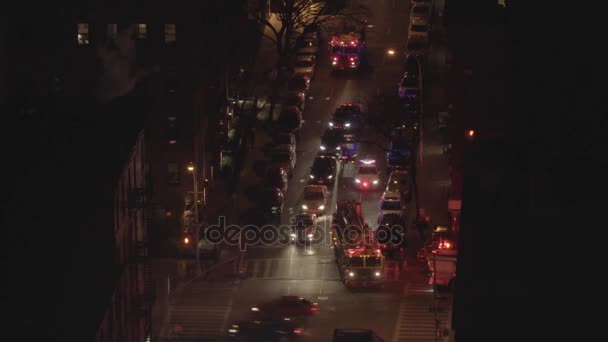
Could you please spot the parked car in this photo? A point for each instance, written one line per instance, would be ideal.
(285, 159)
(290, 120)
(418, 28)
(417, 46)
(307, 45)
(298, 84)
(271, 201)
(391, 202)
(284, 140)
(409, 84)
(421, 12)
(305, 65)
(400, 180)
(295, 99)
(276, 177)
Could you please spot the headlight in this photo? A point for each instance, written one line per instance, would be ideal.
(330, 176)
(351, 274)
(347, 124)
(377, 274)
(357, 180)
(311, 177)
(331, 124)
(233, 330)
(310, 236)
(321, 207)
(255, 309)
(322, 148)
(337, 148)
(304, 206)
(375, 181)
(293, 235)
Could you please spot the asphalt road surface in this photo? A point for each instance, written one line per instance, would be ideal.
(400, 311)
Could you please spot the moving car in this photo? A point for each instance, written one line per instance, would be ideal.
(305, 65)
(315, 199)
(271, 201)
(358, 335)
(367, 175)
(348, 116)
(284, 159)
(409, 84)
(399, 180)
(265, 330)
(290, 120)
(304, 228)
(276, 177)
(391, 202)
(323, 171)
(331, 141)
(286, 307)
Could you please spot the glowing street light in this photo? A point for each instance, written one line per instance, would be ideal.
(391, 52)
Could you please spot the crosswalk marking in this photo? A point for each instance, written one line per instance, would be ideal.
(302, 269)
(200, 311)
(416, 320)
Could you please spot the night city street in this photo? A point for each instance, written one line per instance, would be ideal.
(273, 170)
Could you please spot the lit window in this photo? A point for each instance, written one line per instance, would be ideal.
(173, 173)
(172, 129)
(170, 35)
(141, 31)
(112, 31)
(83, 34)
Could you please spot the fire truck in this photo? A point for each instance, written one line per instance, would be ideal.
(441, 255)
(346, 51)
(357, 252)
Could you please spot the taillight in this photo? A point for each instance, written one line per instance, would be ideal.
(297, 331)
(335, 58)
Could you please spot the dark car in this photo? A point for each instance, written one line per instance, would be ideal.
(347, 116)
(395, 160)
(266, 330)
(271, 201)
(304, 229)
(410, 103)
(298, 84)
(295, 99)
(331, 142)
(323, 171)
(290, 120)
(355, 335)
(286, 306)
(412, 66)
(277, 177)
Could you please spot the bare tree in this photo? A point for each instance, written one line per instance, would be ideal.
(293, 17)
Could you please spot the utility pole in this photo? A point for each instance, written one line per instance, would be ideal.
(197, 227)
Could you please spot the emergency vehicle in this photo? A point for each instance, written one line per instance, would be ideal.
(358, 254)
(441, 255)
(346, 51)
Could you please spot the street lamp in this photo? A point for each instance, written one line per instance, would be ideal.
(197, 228)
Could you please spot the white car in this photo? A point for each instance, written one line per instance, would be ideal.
(367, 175)
(305, 65)
(315, 199)
(418, 28)
(409, 84)
(304, 228)
(391, 202)
(400, 181)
